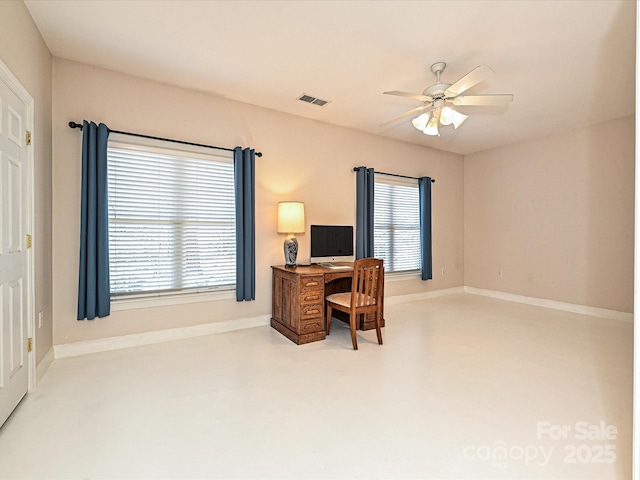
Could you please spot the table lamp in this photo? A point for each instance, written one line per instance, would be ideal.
(290, 221)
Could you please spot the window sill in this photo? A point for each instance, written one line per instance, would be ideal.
(402, 276)
(163, 301)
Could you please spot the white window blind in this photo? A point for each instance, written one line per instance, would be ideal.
(397, 225)
(171, 219)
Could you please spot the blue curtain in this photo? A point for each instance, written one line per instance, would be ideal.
(424, 191)
(93, 279)
(244, 176)
(364, 212)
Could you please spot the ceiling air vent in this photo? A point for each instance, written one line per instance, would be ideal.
(310, 99)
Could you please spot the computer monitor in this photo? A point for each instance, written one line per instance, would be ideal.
(331, 243)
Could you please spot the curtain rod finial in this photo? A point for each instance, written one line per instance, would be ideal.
(73, 124)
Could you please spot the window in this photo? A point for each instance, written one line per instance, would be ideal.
(171, 218)
(397, 225)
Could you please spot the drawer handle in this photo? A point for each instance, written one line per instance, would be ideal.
(315, 310)
(312, 284)
(312, 297)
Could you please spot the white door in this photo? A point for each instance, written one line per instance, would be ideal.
(14, 256)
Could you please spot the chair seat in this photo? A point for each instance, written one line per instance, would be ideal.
(344, 299)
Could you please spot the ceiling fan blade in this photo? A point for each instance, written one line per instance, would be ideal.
(473, 100)
(416, 96)
(406, 114)
(472, 78)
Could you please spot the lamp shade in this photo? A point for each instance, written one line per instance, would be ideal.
(432, 126)
(449, 116)
(291, 217)
(420, 122)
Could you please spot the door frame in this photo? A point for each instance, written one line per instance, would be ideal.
(10, 80)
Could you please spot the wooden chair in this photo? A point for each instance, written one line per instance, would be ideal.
(365, 296)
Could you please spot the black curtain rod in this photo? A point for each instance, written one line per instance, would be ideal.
(78, 125)
(355, 169)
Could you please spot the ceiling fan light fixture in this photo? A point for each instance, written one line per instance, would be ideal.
(421, 121)
(458, 119)
(450, 116)
(432, 126)
(447, 116)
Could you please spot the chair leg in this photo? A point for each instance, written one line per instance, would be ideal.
(352, 324)
(328, 319)
(379, 328)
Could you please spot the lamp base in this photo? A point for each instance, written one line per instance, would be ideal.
(290, 251)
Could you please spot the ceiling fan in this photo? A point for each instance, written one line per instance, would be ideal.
(438, 99)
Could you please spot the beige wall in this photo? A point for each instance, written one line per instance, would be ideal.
(25, 53)
(303, 160)
(560, 209)
(554, 215)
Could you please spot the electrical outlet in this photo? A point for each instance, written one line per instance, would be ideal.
(500, 273)
(40, 319)
(531, 277)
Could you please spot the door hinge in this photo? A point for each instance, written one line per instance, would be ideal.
(28, 241)
(30, 344)
(28, 137)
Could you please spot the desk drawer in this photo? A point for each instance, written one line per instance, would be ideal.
(311, 296)
(310, 326)
(311, 311)
(307, 283)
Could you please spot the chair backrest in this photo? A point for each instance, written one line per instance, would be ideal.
(368, 282)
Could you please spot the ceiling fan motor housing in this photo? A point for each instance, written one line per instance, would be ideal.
(436, 91)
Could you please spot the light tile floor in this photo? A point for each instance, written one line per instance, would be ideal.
(465, 387)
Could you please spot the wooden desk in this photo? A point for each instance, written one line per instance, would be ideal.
(298, 305)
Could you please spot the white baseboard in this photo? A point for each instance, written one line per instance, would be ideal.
(44, 365)
(541, 302)
(158, 336)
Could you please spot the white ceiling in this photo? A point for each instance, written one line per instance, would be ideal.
(569, 63)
